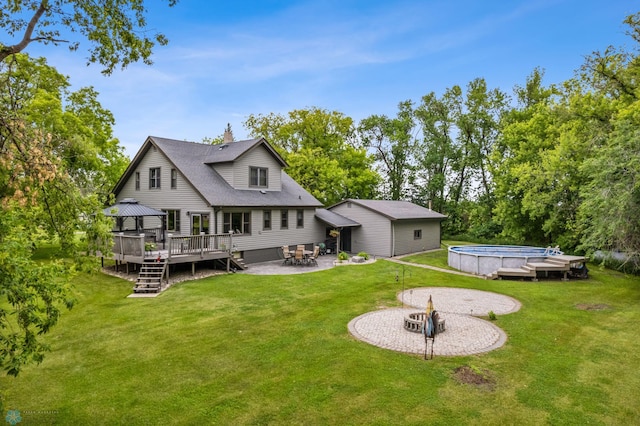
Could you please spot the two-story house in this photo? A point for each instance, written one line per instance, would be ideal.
(237, 187)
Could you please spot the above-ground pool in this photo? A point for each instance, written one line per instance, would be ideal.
(484, 260)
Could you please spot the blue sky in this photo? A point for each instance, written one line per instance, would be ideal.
(227, 60)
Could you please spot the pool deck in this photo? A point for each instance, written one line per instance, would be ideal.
(557, 263)
(494, 262)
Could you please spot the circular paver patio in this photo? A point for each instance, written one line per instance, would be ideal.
(460, 300)
(464, 334)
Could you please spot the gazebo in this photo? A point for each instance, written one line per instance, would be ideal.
(129, 207)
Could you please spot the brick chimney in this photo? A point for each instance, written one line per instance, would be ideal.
(228, 134)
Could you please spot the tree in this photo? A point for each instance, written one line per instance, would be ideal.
(479, 126)
(523, 129)
(322, 152)
(459, 131)
(439, 156)
(58, 158)
(394, 147)
(58, 162)
(115, 29)
(542, 150)
(610, 213)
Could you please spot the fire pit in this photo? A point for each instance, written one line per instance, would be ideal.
(414, 322)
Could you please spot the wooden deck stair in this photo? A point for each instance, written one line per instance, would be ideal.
(150, 276)
(238, 263)
(560, 263)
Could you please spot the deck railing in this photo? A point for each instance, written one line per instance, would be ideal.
(194, 244)
(134, 245)
(153, 234)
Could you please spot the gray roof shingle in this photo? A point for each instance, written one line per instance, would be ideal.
(396, 210)
(193, 160)
(334, 219)
(129, 207)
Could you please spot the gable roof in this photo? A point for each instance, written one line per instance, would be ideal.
(395, 210)
(193, 160)
(129, 207)
(231, 151)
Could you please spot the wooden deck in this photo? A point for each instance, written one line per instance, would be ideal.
(559, 263)
(135, 249)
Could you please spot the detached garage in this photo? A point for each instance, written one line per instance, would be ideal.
(389, 228)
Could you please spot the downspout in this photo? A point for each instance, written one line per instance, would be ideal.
(393, 239)
(215, 220)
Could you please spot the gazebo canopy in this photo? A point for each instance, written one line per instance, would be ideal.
(129, 207)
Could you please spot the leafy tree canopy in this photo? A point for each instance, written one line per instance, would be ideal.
(322, 153)
(115, 29)
(394, 145)
(58, 161)
(58, 156)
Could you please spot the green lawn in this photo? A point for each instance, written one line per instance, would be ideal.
(247, 349)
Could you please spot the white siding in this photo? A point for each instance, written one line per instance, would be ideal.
(225, 171)
(274, 238)
(374, 236)
(258, 157)
(183, 198)
(264, 243)
(404, 235)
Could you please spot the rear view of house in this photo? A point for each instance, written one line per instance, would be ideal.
(233, 187)
(239, 193)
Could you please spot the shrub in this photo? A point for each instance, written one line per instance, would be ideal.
(343, 256)
(364, 255)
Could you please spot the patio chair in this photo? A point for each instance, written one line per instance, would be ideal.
(288, 256)
(313, 258)
(299, 257)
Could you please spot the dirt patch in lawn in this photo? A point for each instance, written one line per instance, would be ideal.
(472, 376)
(592, 306)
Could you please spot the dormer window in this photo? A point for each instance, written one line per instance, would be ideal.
(258, 177)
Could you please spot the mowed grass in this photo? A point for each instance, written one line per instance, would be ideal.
(248, 349)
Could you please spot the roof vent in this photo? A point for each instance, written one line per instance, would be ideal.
(222, 147)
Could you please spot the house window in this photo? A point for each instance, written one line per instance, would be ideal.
(266, 219)
(284, 219)
(137, 181)
(258, 177)
(174, 178)
(300, 218)
(173, 220)
(154, 178)
(417, 234)
(239, 223)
